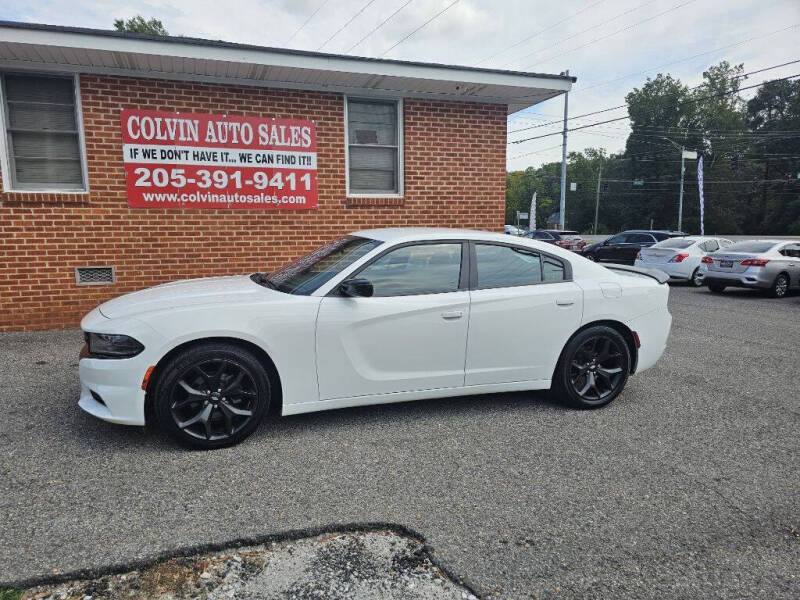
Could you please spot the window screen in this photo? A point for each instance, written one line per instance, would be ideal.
(373, 147)
(421, 269)
(503, 266)
(44, 146)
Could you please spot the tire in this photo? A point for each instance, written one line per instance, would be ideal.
(591, 257)
(694, 281)
(779, 287)
(593, 368)
(191, 411)
(716, 288)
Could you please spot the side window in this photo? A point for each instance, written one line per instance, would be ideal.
(618, 239)
(420, 269)
(640, 238)
(552, 269)
(725, 243)
(504, 266)
(792, 250)
(541, 235)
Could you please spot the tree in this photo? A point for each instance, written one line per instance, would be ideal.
(138, 25)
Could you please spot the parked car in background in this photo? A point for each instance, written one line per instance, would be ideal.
(372, 317)
(769, 265)
(513, 230)
(570, 240)
(680, 257)
(623, 247)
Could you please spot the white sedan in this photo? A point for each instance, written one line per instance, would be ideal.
(376, 316)
(680, 257)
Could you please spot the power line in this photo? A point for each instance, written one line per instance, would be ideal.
(381, 24)
(574, 35)
(437, 15)
(538, 33)
(296, 31)
(739, 43)
(605, 37)
(691, 100)
(353, 18)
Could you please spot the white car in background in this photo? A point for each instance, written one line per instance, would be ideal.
(680, 257)
(372, 317)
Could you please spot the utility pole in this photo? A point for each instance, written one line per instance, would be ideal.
(562, 206)
(597, 198)
(680, 197)
(691, 154)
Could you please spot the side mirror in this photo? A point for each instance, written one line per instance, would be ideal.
(606, 242)
(355, 288)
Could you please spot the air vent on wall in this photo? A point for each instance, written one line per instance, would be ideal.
(95, 275)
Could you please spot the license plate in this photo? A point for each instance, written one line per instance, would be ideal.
(727, 264)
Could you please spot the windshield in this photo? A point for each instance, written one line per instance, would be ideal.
(306, 274)
(750, 246)
(676, 243)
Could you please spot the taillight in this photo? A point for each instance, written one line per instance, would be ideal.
(638, 256)
(679, 257)
(563, 243)
(755, 262)
(708, 260)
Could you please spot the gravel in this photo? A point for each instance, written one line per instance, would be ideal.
(685, 487)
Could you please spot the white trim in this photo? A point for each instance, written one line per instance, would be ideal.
(5, 159)
(271, 57)
(401, 162)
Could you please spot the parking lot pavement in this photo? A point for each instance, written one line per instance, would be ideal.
(686, 486)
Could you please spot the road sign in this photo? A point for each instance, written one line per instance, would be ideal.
(690, 154)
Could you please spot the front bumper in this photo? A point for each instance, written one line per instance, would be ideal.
(111, 389)
(752, 277)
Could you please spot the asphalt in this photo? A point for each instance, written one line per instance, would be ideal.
(685, 487)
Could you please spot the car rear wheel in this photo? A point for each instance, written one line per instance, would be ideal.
(593, 368)
(212, 395)
(695, 279)
(780, 286)
(716, 288)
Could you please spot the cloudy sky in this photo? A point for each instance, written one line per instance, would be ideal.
(610, 45)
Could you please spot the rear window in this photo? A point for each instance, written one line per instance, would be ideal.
(751, 246)
(570, 236)
(676, 243)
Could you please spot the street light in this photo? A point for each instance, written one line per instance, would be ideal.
(691, 155)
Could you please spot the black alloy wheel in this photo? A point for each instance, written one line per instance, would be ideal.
(593, 368)
(780, 286)
(212, 395)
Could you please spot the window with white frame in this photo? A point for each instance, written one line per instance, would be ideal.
(44, 149)
(374, 147)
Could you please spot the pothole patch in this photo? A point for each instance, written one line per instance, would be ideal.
(347, 565)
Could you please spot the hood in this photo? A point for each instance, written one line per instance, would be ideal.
(188, 292)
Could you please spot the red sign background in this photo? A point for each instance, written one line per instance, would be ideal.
(189, 160)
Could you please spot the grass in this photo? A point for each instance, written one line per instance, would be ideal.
(10, 594)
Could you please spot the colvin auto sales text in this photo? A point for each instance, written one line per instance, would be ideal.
(176, 129)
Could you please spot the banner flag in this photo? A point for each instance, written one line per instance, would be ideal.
(700, 187)
(532, 220)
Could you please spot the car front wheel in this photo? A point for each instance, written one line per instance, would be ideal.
(212, 395)
(593, 368)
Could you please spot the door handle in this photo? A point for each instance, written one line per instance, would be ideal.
(565, 302)
(452, 315)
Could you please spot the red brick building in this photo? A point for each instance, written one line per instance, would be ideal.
(392, 144)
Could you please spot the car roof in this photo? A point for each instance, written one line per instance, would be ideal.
(402, 234)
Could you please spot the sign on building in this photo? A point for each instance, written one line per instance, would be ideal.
(186, 160)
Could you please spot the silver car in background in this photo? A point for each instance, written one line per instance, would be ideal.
(770, 265)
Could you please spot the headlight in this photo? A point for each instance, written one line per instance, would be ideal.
(109, 345)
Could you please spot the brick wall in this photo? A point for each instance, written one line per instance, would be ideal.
(454, 177)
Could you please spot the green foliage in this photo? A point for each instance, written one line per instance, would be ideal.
(138, 24)
(10, 594)
(754, 196)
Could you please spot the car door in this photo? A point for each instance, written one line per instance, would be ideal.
(792, 263)
(409, 336)
(634, 242)
(523, 309)
(610, 251)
